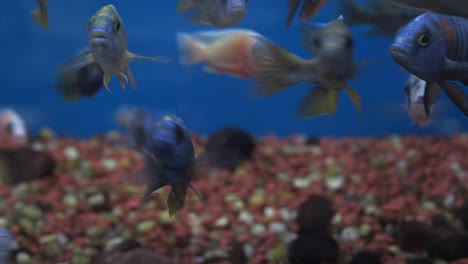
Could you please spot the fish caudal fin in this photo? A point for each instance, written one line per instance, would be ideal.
(191, 50)
(184, 6)
(457, 96)
(319, 101)
(276, 69)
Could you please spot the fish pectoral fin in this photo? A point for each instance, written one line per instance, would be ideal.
(131, 79)
(456, 69)
(457, 96)
(316, 103)
(355, 97)
(76, 63)
(106, 81)
(133, 57)
(123, 80)
(431, 92)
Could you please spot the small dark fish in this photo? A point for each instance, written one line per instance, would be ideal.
(446, 7)
(309, 9)
(6, 244)
(40, 15)
(385, 18)
(433, 47)
(277, 69)
(83, 82)
(218, 13)
(107, 41)
(170, 160)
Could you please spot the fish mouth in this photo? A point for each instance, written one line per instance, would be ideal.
(98, 35)
(399, 52)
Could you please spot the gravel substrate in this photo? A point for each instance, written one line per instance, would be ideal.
(381, 190)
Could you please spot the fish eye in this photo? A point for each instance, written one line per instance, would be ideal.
(117, 26)
(424, 39)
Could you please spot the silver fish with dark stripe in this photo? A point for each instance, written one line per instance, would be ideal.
(218, 13)
(434, 48)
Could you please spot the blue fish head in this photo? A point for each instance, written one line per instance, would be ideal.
(420, 47)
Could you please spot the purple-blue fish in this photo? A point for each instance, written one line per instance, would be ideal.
(434, 48)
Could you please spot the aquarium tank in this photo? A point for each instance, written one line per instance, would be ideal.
(234, 131)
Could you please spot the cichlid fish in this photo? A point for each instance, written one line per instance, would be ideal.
(385, 18)
(218, 13)
(40, 15)
(309, 9)
(107, 42)
(330, 70)
(414, 94)
(170, 160)
(83, 82)
(446, 7)
(226, 51)
(433, 47)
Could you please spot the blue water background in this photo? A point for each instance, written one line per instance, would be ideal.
(206, 102)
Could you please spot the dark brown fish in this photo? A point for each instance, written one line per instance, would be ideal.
(309, 9)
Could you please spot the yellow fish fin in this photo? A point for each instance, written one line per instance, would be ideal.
(106, 80)
(76, 63)
(131, 79)
(355, 97)
(315, 103)
(133, 56)
(184, 6)
(276, 69)
(332, 101)
(176, 198)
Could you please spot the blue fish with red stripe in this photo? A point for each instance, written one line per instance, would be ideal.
(434, 47)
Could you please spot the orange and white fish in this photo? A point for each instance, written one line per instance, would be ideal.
(13, 133)
(226, 51)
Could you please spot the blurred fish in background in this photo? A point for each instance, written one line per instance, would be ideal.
(83, 82)
(330, 70)
(308, 10)
(433, 48)
(108, 47)
(447, 7)
(226, 51)
(218, 13)
(13, 133)
(385, 18)
(40, 15)
(135, 120)
(414, 94)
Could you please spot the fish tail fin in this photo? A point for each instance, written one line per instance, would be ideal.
(319, 101)
(276, 69)
(191, 50)
(184, 6)
(174, 204)
(132, 57)
(457, 96)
